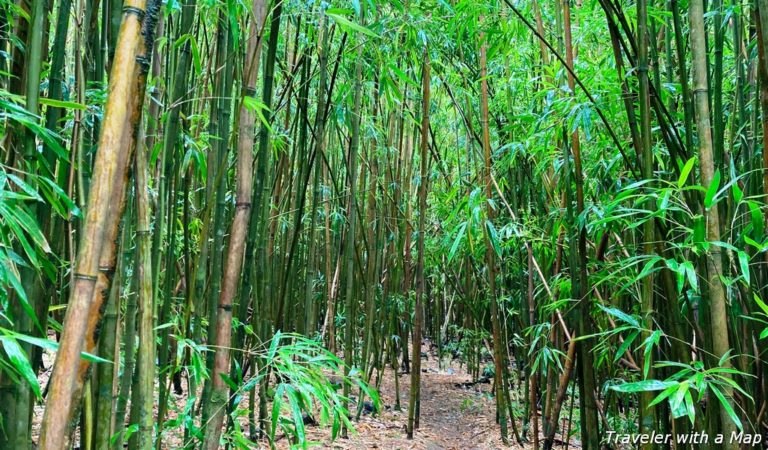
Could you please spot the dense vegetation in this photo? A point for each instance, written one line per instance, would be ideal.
(261, 206)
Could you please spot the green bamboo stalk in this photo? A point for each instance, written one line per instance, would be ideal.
(104, 377)
(415, 391)
(349, 244)
(714, 263)
(647, 412)
(18, 422)
(587, 386)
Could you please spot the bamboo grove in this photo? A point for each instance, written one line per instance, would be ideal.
(265, 208)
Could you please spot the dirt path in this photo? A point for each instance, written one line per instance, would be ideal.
(452, 417)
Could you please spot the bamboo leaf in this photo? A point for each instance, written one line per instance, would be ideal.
(621, 315)
(744, 264)
(712, 189)
(348, 25)
(726, 406)
(62, 104)
(642, 386)
(457, 241)
(685, 172)
(20, 362)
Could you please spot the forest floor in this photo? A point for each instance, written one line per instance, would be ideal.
(455, 415)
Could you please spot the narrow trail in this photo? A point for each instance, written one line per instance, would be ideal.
(453, 417)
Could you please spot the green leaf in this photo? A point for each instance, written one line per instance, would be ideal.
(457, 241)
(62, 104)
(676, 402)
(689, 407)
(348, 25)
(259, 108)
(621, 315)
(712, 189)
(493, 237)
(690, 273)
(643, 386)
(744, 264)
(625, 345)
(760, 303)
(738, 194)
(727, 406)
(295, 403)
(667, 392)
(273, 346)
(20, 362)
(276, 407)
(757, 220)
(685, 172)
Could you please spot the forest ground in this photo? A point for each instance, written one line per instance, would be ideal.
(455, 415)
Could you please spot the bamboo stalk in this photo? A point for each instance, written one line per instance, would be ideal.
(113, 150)
(234, 260)
(714, 263)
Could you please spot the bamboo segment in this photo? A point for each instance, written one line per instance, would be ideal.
(236, 250)
(714, 265)
(114, 152)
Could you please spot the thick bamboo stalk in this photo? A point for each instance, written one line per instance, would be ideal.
(717, 298)
(112, 150)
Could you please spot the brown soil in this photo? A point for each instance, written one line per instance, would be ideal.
(452, 416)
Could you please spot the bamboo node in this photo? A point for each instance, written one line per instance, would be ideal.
(107, 270)
(134, 10)
(225, 307)
(242, 205)
(143, 63)
(83, 276)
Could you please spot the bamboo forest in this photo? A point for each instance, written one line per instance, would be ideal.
(393, 224)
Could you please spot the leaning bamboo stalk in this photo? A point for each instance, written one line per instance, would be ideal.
(108, 257)
(112, 150)
(235, 252)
